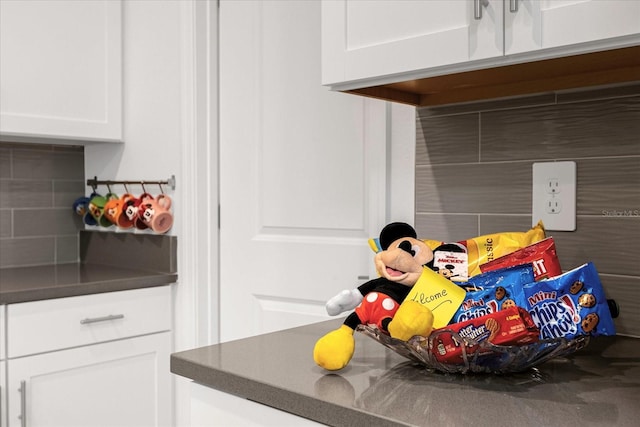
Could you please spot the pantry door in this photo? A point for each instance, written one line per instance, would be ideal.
(302, 172)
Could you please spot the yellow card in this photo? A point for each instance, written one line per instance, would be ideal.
(440, 295)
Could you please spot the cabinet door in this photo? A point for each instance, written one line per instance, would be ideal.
(377, 38)
(121, 383)
(3, 393)
(543, 24)
(60, 69)
(2, 335)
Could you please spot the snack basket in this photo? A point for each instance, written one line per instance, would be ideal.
(478, 357)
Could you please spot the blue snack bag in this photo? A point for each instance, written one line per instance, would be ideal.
(493, 291)
(570, 305)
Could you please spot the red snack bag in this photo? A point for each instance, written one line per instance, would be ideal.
(511, 326)
(542, 255)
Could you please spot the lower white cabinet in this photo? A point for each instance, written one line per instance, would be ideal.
(120, 383)
(94, 360)
(3, 389)
(210, 407)
(3, 393)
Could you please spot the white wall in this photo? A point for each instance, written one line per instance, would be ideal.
(170, 116)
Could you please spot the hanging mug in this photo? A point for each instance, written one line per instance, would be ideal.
(112, 209)
(121, 217)
(106, 219)
(134, 210)
(156, 213)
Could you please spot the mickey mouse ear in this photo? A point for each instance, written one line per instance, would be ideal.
(394, 231)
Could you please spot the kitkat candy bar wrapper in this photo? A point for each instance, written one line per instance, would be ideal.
(569, 305)
(493, 291)
(542, 255)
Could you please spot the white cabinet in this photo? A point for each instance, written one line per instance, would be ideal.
(367, 43)
(377, 38)
(61, 70)
(582, 25)
(2, 334)
(95, 360)
(210, 407)
(3, 387)
(3, 392)
(119, 383)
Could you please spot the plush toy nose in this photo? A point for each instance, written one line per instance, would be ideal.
(405, 245)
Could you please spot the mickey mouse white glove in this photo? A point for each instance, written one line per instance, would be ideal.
(345, 300)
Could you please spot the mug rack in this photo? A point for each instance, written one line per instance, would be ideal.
(95, 182)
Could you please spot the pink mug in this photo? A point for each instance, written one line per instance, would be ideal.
(156, 213)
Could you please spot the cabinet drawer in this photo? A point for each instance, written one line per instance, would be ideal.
(41, 326)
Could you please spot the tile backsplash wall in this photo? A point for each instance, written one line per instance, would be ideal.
(474, 177)
(38, 184)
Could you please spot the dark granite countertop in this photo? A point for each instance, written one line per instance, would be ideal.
(596, 386)
(22, 284)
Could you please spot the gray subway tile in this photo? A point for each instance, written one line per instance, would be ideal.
(66, 192)
(501, 188)
(5, 162)
(25, 193)
(67, 249)
(30, 164)
(624, 290)
(615, 91)
(447, 139)
(5, 223)
(45, 222)
(446, 228)
(579, 130)
(608, 186)
(27, 251)
(497, 104)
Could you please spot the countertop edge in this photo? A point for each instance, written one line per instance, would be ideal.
(126, 279)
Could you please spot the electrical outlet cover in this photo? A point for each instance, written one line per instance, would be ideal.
(554, 195)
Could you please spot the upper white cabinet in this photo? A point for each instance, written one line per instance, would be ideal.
(61, 70)
(578, 25)
(369, 39)
(370, 43)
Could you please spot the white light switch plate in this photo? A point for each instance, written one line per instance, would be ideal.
(554, 195)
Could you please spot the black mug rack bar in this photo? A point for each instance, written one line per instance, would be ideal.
(95, 182)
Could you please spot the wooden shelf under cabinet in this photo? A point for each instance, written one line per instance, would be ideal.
(569, 72)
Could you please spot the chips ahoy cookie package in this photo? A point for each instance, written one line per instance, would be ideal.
(570, 305)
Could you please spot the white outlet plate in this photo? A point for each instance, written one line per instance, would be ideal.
(554, 195)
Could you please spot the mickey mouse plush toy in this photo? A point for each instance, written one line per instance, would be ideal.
(381, 301)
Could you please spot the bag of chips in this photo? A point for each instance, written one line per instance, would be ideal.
(483, 249)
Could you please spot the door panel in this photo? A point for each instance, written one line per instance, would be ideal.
(302, 172)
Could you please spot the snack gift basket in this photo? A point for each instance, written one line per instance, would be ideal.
(518, 312)
(478, 356)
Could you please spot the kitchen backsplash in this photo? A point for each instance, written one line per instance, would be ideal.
(474, 177)
(38, 184)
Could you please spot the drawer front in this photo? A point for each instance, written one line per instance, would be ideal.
(41, 326)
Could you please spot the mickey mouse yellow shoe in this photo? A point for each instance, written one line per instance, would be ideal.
(334, 350)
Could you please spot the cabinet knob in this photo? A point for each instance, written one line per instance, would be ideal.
(513, 6)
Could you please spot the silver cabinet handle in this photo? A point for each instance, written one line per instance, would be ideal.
(23, 403)
(89, 320)
(477, 8)
(513, 6)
